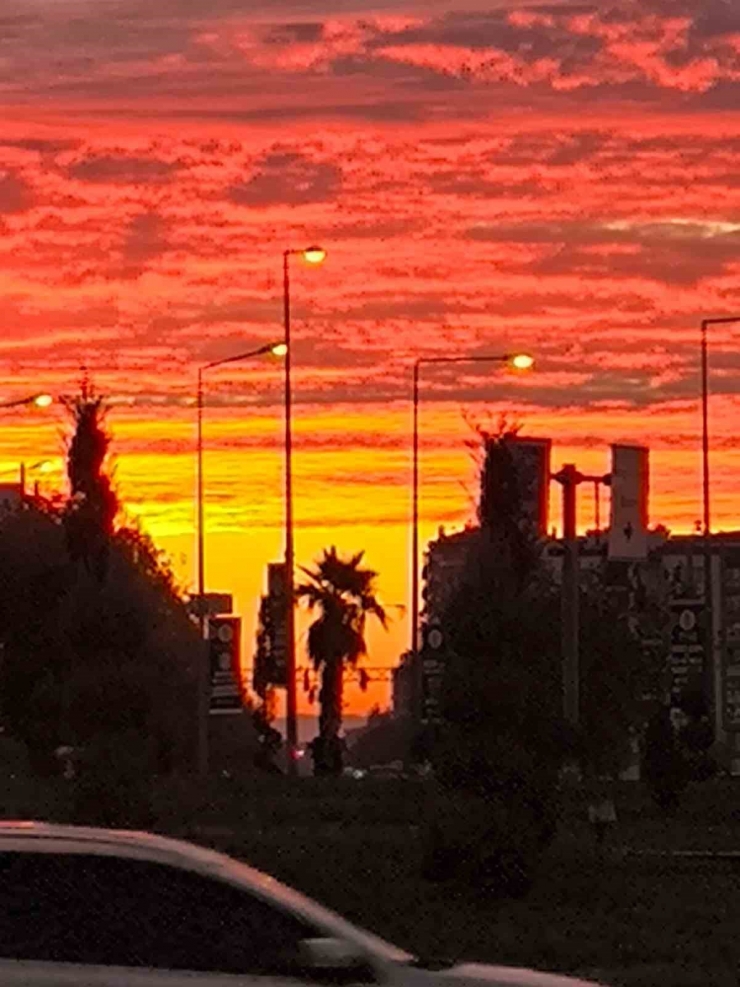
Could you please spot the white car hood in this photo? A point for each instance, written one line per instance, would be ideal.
(508, 976)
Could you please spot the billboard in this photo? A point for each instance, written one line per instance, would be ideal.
(224, 636)
(532, 460)
(629, 502)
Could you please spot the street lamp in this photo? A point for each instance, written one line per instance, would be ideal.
(519, 361)
(708, 581)
(277, 349)
(37, 400)
(311, 255)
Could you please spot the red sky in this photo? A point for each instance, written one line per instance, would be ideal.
(562, 178)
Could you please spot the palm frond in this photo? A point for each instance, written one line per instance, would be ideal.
(344, 595)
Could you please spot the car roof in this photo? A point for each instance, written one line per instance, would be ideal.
(30, 836)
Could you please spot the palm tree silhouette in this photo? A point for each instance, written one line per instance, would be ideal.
(344, 595)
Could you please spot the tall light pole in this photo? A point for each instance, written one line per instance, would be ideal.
(708, 579)
(520, 361)
(569, 478)
(312, 255)
(278, 349)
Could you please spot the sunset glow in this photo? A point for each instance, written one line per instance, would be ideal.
(495, 177)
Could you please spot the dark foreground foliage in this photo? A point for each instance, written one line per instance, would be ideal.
(355, 847)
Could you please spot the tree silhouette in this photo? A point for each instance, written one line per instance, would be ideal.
(497, 751)
(344, 595)
(98, 651)
(91, 511)
(623, 637)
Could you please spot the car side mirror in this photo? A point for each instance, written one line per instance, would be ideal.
(330, 954)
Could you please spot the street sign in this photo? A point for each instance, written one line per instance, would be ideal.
(432, 677)
(432, 672)
(210, 604)
(730, 623)
(686, 661)
(629, 502)
(224, 635)
(278, 624)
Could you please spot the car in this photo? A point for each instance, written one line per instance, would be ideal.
(85, 907)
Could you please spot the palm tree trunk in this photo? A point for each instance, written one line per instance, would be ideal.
(330, 718)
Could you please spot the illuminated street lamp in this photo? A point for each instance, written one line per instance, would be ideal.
(277, 349)
(37, 400)
(311, 255)
(518, 361)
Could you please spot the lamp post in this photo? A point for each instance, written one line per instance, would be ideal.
(708, 580)
(37, 400)
(312, 255)
(569, 478)
(278, 349)
(519, 361)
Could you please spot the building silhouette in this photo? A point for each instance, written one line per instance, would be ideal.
(666, 568)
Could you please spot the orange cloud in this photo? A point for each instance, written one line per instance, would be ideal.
(556, 178)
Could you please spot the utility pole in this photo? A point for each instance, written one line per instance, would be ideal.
(291, 698)
(204, 665)
(569, 478)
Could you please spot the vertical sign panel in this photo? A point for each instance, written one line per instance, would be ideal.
(532, 460)
(278, 634)
(688, 646)
(629, 507)
(730, 582)
(224, 635)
